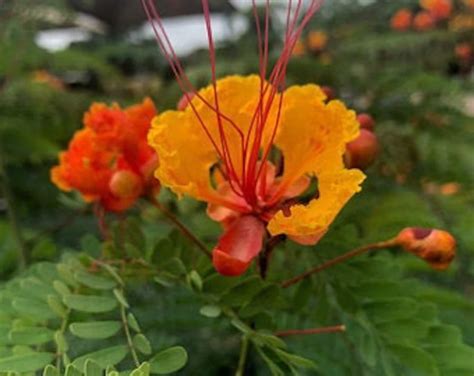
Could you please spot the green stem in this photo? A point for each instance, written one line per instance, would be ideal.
(126, 329)
(244, 347)
(13, 219)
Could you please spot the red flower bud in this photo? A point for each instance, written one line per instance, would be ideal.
(329, 91)
(366, 121)
(125, 184)
(239, 245)
(436, 247)
(361, 152)
(184, 101)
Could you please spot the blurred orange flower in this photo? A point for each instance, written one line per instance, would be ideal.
(463, 51)
(439, 9)
(424, 21)
(317, 40)
(109, 160)
(469, 3)
(402, 20)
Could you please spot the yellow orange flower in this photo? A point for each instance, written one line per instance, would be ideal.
(401, 20)
(317, 40)
(439, 9)
(109, 160)
(299, 49)
(241, 186)
(469, 3)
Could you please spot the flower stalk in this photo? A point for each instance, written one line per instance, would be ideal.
(298, 332)
(346, 256)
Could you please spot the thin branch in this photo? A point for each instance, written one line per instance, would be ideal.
(128, 335)
(244, 347)
(299, 332)
(355, 252)
(181, 227)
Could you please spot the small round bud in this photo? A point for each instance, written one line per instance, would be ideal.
(436, 247)
(366, 121)
(125, 184)
(184, 101)
(329, 91)
(424, 21)
(362, 152)
(401, 20)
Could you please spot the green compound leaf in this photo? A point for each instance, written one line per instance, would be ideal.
(94, 281)
(30, 362)
(210, 311)
(35, 310)
(95, 329)
(104, 358)
(169, 360)
(90, 303)
(51, 371)
(91, 368)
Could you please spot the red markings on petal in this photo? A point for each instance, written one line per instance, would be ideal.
(239, 245)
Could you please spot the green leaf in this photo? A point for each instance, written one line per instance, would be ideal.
(31, 336)
(141, 343)
(91, 368)
(133, 323)
(95, 329)
(51, 371)
(195, 280)
(264, 339)
(295, 360)
(274, 369)
(61, 288)
(31, 362)
(210, 311)
(405, 329)
(390, 309)
(104, 358)
(452, 356)
(72, 371)
(67, 275)
(35, 310)
(143, 370)
(243, 292)
(217, 284)
(121, 298)
(444, 334)
(60, 341)
(94, 281)
(267, 299)
(169, 360)
(90, 303)
(416, 359)
(56, 306)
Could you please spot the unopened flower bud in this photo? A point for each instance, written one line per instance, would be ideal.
(366, 121)
(424, 21)
(329, 91)
(125, 184)
(362, 152)
(436, 247)
(184, 101)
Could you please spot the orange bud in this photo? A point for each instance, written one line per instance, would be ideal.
(361, 152)
(463, 51)
(317, 40)
(436, 247)
(366, 121)
(424, 21)
(184, 101)
(329, 91)
(125, 184)
(401, 20)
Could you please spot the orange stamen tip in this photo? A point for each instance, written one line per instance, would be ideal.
(366, 121)
(436, 247)
(363, 151)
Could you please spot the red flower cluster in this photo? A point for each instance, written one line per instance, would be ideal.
(425, 19)
(109, 160)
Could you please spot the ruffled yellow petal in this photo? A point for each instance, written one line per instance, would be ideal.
(186, 153)
(335, 189)
(312, 137)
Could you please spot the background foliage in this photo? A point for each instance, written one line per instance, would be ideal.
(157, 305)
